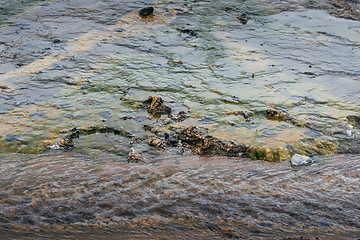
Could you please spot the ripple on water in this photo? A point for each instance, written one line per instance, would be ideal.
(215, 196)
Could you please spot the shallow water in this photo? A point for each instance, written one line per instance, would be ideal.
(67, 64)
(75, 195)
(55, 77)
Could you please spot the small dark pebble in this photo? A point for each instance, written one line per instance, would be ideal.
(56, 41)
(146, 11)
(190, 32)
(243, 18)
(120, 30)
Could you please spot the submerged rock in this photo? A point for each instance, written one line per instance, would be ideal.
(275, 114)
(135, 156)
(155, 105)
(65, 143)
(190, 32)
(209, 145)
(146, 11)
(300, 160)
(243, 18)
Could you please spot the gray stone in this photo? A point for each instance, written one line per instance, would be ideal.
(299, 160)
(11, 138)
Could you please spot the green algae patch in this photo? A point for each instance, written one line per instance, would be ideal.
(315, 146)
(269, 154)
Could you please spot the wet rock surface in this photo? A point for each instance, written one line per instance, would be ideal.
(147, 11)
(355, 120)
(155, 106)
(279, 115)
(300, 160)
(267, 89)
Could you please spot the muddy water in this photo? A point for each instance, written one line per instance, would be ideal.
(67, 64)
(219, 198)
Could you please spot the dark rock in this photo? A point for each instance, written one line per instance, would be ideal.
(243, 18)
(155, 105)
(190, 32)
(209, 145)
(354, 120)
(180, 117)
(279, 115)
(146, 11)
(56, 41)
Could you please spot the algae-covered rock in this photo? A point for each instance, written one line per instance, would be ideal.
(354, 120)
(203, 144)
(316, 146)
(275, 114)
(155, 105)
(269, 154)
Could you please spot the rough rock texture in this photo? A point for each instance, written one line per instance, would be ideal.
(209, 145)
(155, 105)
(354, 120)
(156, 142)
(275, 114)
(135, 156)
(299, 160)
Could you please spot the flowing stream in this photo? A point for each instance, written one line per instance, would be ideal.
(90, 64)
